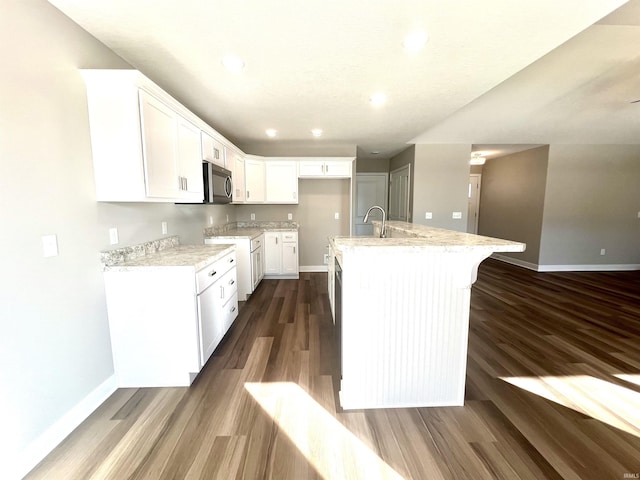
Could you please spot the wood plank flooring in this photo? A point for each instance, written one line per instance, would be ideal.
(553, 391)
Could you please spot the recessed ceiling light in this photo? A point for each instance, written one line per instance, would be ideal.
(233, 63)
(316, 132)
(378, 99)
(271, 132)
(415, 41)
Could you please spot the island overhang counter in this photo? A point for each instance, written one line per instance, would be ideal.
(405, 313)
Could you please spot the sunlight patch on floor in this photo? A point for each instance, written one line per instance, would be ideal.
(612, 404)
(628, 378)
(332, 449)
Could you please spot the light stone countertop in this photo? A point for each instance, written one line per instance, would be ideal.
(242, 232)
(404, 237)
(196, 256)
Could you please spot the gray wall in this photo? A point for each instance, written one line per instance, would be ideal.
(318, 200)
(441, 185)
(512, 199)
(54, 337)
(592, 202)
(372, 165)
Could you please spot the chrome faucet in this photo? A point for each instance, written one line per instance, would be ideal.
(383, 233)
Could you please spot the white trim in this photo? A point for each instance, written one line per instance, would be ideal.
(281, 277)
(515, 261)
(621, 267)
(45, 443)
(313, 268)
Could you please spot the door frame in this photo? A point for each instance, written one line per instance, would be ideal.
(479, 175)
(408, 168)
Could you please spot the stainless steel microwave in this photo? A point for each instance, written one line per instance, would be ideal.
(218, 186)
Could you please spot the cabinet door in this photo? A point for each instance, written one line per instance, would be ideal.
(189, 161)
(212, 150)
(254, 180)
(236, 165)
(281, 182)
(311, 168)
(289, 258)
(337, 169)
(211, 324)
(159, 126)
(272, 253)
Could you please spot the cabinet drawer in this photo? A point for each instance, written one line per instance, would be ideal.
(227, 286)
(230, 311)
(289, 237)
(213, 272)
(257, 242)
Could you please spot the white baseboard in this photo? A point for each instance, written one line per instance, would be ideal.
(589, 268)
(313, 268)
(45, 443)
(567, 268)
(515, 261)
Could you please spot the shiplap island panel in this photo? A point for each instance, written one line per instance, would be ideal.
(405, 314)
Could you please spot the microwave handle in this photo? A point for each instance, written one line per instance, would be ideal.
(228, 187)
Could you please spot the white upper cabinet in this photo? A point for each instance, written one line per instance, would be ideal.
(235, 163)
(189, 161)
(254, 180)
(213, 151)
(159, 143)
(146, 146)
(325, 168)
(281, 181)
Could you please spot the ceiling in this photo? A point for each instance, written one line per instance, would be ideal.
(493, 72)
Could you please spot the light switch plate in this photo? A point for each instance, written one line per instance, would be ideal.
(603, 251)
(290, 216)
(456, 215)
(113, 236)
(428, 215)
(164, 228)
(49, 245)
(210, 219)
(253, 216)
(336, 216)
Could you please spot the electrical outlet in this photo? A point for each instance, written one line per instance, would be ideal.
(289, 216)
(253, 216)
(456, 215)
(336, 216)
(210, 219)
(603, 251)
(638, 214)
(227, 218)
(164, 228)
(113, 236)
(428, 215)
(326, 258)
(49, 245)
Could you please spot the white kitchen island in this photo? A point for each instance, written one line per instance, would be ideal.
(405, 314)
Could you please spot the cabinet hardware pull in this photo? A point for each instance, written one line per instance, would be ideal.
(233, 309)
(221, 291)
(186, 183)
(294, 249)
(276, 240)
(231, 282)
(231, 260)
(212, 273)
(248, 194)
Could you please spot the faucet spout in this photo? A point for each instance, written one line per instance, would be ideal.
(383, 233)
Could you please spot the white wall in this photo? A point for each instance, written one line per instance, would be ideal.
(592, 202)
(54, 339)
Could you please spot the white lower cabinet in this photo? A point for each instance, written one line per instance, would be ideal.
(250, 258)
(165, 322)
(281, 254)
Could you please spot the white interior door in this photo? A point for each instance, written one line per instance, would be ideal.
(399, 182)
(474, 203)
(371, 189)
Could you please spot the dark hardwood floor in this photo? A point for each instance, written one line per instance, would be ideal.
(553, 391)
